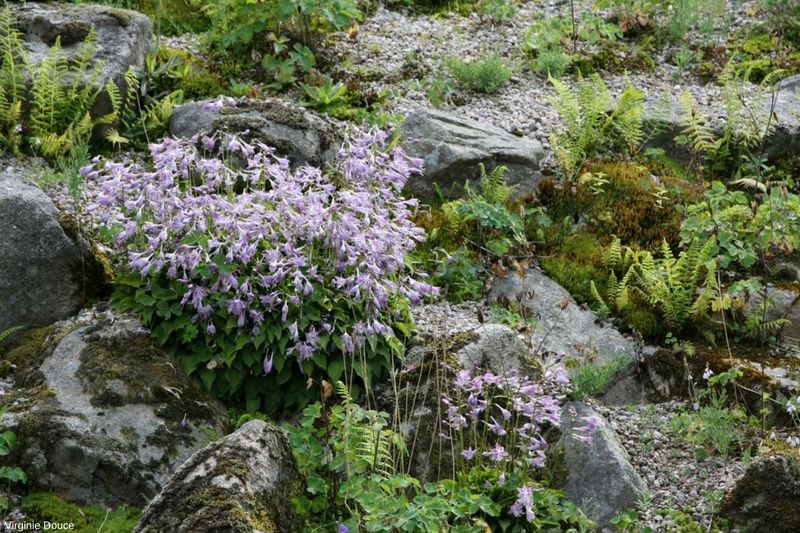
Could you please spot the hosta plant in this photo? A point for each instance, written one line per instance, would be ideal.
(259, 277)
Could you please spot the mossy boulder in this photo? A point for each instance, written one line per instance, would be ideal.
(102, 414)
(301, 135)
(765, 499)
(241, 483)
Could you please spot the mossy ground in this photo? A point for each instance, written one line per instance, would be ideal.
(44, 506)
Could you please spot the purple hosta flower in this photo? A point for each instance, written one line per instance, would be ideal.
(347, 343)
(496, 427)
(497, 454)
(502, 479)
(341, 528)
(584, 433)
(524, 503)
(468, 453)
(268, 364)
(184, 421)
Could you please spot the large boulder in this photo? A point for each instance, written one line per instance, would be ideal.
(600, 477)
(301, 135)
(241, 483)
(104, 416)
(47, 271)
(452, 147)
(765, 499)
(123, 38)
(566, 328)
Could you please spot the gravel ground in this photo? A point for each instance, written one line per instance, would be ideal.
(667, 463)
(403, 46)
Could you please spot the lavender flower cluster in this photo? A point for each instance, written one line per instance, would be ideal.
(256, 238)
(500, 418)
(507, 412)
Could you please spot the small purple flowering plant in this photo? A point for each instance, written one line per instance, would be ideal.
(496, 423)
(259, 275)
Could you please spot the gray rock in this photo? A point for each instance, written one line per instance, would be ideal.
(498, 348)
(567, 329)
(242, 482)
(785, 140)
(103, 416)
(782, 304)
(452, 147)
(123, 38)
(301, 135)
(765, 499)
(46, 273)
(625, 388)
(600, 479)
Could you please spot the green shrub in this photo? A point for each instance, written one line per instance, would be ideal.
(485, 75)
(748, 227)
(294, 29)
(714, 426)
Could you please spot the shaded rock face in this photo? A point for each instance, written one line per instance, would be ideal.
(600, 479)
(452, 147)
(567, 329)
(786, 138)
(46, 272)
(241, 483)
(103, 416)
(765, 499)
(302, 136)
(123, 38)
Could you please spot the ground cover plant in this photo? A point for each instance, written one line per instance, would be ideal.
(260, 311)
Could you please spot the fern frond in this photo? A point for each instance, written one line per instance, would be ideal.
(47, 92)
(14, 67)
(6, 333)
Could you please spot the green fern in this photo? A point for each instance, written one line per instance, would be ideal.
(679, 288)
(594, 122)
(745, 128)
(368, 443)
(60, 100)
(13, 73)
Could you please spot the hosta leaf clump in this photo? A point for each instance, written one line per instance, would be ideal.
(261, 277)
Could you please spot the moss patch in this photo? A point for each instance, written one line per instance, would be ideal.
(41, 506)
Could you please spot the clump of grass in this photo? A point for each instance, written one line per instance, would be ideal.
(591, 379)
(485, 75)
